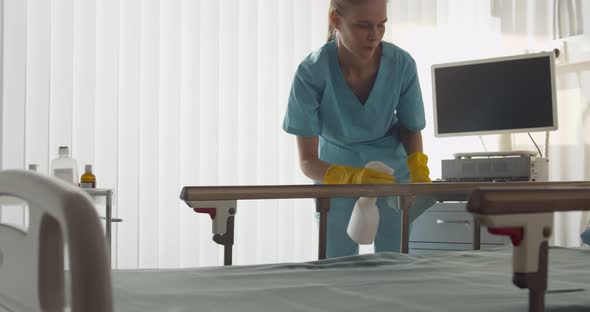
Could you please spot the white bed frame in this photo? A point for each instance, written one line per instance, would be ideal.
(32, 262)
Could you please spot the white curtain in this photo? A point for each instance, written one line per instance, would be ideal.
(159, 94)
(569, 19)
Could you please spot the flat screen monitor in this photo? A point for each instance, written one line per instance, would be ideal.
(493, 96)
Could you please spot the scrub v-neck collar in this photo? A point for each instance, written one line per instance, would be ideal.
(344, 84)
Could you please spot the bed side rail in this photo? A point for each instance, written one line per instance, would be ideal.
(32, 261)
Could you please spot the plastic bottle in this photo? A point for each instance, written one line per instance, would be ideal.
(65, 167)
(364, 220)
(88, 179)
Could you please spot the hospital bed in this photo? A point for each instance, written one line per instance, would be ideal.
(32, 275)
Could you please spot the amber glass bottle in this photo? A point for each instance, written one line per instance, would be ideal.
(88, 180)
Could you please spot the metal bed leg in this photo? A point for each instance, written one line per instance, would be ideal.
(476, 243)
(404, 203)
(536, 282)
(109, 220)
(323, 207)
(227, 240)
(536, 300)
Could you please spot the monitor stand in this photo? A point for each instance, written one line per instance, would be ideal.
(495, 154)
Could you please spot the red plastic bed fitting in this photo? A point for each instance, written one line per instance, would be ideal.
(211, 211)
(516, 234)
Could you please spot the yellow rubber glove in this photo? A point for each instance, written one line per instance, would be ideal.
(417, 165)
(339, 174)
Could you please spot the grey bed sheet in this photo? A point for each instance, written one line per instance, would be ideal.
(458, 281)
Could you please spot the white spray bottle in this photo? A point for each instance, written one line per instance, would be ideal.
(364, 220)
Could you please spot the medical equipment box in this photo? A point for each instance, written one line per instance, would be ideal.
(484, 167)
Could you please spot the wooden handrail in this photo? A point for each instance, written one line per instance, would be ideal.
(502, 200)
(440, 191)
(210, 193)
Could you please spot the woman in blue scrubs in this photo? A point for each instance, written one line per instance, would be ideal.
(357, 99)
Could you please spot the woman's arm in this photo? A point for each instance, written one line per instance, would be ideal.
(309, 161)
(412, 141)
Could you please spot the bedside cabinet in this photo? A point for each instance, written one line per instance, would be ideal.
(448, 227)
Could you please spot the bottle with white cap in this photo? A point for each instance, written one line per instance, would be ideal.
(364, 220)
(64, 166)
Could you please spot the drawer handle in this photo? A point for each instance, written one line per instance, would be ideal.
(440, 221)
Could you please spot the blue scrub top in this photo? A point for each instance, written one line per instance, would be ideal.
(321, 104)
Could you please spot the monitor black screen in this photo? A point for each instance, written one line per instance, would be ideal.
(494, 96)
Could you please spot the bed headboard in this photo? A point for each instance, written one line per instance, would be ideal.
(32, 262)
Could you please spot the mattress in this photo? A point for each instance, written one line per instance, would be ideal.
(458, 281)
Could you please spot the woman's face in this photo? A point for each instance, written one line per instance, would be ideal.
(362, 26)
